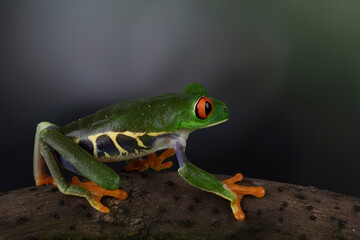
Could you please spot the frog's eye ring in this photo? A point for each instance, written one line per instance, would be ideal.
(204, 107)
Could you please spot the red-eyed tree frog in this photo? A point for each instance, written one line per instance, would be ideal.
(129, 131)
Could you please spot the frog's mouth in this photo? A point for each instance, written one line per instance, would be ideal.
(213, 124)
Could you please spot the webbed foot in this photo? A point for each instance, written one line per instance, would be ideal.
(44, 179)
(152, 161)
(241, 191)
(98, 192)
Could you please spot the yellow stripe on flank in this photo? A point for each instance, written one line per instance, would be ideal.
(136, 135)
(155, 134)
(112, 135)
(93, 138)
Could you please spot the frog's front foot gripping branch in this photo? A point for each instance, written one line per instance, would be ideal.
(239, 192)
(226, 189)
(205, 181)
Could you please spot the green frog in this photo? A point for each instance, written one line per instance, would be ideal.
(129, 131)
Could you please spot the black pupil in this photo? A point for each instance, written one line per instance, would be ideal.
(208, 108)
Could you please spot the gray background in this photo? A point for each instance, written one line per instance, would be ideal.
(288, 70)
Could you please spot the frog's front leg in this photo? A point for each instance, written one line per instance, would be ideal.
(105, 180)
(205, 181)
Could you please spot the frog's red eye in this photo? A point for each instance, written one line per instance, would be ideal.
(203, 108)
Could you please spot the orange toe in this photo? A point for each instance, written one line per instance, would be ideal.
(241, 191)
(98, 192)
(44, 179)
(152, 161)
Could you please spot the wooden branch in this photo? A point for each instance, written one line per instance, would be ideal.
(161, 205)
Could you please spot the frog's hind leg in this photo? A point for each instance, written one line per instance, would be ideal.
(61, 183)
(152, 161)
(105, 180)
(39, 162)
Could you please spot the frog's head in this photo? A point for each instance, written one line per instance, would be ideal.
(202, 110)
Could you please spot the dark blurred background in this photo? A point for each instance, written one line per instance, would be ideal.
(288, 70)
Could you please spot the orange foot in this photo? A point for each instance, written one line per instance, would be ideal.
(98, 192)
(241, 191)
(44, 179)
(153, 161)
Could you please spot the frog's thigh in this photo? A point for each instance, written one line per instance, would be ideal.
(55, 172)
(86, 164)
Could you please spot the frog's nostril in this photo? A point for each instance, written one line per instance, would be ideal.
(225, 109)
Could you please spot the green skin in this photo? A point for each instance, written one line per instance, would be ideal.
(172, 114)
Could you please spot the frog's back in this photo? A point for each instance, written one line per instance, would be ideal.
(140, 115)
(98, 122)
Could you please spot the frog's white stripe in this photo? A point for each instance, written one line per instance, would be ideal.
(215, 123)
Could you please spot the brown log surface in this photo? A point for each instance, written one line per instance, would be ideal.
(161, 205)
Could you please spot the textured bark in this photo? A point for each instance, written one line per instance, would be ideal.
(161, 205)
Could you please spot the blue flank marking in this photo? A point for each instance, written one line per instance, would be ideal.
(68, 166)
